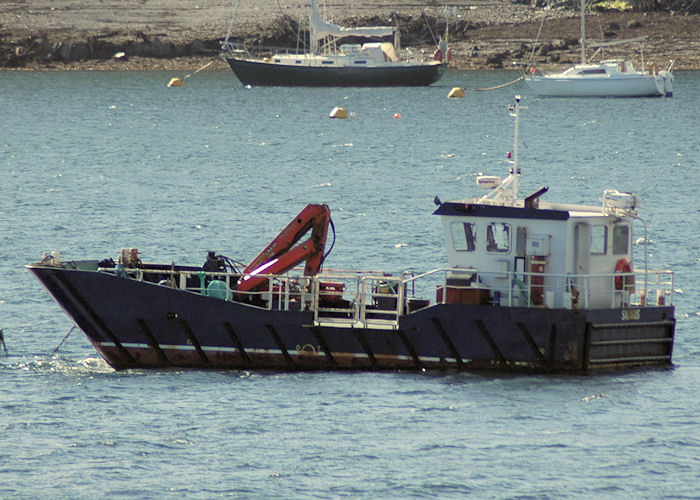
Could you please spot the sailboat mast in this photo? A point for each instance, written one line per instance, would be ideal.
(583, 31)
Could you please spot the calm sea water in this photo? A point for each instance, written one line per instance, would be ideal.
(92, 162)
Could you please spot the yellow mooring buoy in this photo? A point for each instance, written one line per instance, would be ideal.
(338, 112)
(456, 93)
(175, 82)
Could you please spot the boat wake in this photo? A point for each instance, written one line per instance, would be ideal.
(56, 363)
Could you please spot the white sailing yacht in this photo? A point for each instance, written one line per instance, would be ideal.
(607, 78)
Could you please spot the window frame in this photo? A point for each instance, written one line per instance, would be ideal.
(616, 239)
(469, 246)
(509, 243)
(605, 239)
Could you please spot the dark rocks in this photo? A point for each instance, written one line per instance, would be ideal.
(559, 44)
(20, 53)
(496, 60)
(90, 36)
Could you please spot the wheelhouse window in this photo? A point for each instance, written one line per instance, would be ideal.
(621, 237)
(599, 240)
(498, 237)
(463, 236)
(592, 72)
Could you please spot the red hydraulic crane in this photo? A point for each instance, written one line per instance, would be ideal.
(285, 251)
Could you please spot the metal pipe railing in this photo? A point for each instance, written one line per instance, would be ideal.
(371, 295)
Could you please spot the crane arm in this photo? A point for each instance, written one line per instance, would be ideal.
(281, 254)
(279, 265)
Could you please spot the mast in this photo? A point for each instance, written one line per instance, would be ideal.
(583, 31)
(515, 172)
(506, 192)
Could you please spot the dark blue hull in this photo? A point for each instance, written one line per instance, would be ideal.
(268, 74)
(137, 324)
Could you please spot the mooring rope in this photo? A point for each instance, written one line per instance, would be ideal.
(62, 341)
(486, 89)
(200, 69)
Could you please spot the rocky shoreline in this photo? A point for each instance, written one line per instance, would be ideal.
(180, 35)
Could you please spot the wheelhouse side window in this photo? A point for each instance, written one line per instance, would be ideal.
(621, 237)
(599, 240)
(463, 236)
(498, 237)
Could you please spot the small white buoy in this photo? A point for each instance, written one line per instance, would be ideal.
(120, 56)
(456, 93)
(175, 82)
(397, 115)
(338, 112)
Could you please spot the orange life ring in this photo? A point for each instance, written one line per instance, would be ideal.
(532, 70)
(624, 282)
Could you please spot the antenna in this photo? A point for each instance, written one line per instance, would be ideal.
(515, 169)
(513, 159)
(506, 190)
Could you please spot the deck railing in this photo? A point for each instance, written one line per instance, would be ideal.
(240, 49)
(235, 48)
(360, 298)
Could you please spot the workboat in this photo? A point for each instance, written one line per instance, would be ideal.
(370, 64)
(531, 286)
(607, 78)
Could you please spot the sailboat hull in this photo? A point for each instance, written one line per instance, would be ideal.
(609, 86)
(258, 73)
